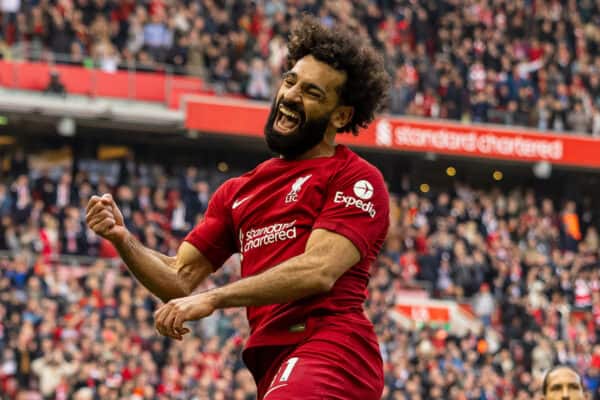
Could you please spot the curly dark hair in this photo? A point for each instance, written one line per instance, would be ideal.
(367, 82)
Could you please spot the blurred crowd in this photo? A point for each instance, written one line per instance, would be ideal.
(82, 328)
(533, 63)
(528, 265)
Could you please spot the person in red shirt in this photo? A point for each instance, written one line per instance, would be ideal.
(307, 225)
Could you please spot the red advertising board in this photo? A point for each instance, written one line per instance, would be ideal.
(424, 313)
(141, 86)
(240, 117)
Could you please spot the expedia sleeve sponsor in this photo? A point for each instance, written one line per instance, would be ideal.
(351, 201)
(357, 207)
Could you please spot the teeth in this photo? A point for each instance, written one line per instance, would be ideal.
(288, 113)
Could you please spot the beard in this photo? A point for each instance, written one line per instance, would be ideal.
(304, 137)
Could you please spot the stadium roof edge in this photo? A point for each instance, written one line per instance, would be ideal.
(145, 115)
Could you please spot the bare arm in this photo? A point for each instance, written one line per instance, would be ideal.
(155, 273)
(164, 276)
(327, 256)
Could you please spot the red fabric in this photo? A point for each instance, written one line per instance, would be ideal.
(583, 294)
(410, 267)
(107, 250)
(168, 388)
(257, 24)
(421, 244)
(129, 374)
(268, 215)
(428, 102)
(399, 32)
(321, 365)
(122, 12)
(156, 6)
(46, 245)
(538, 315)
(535, 53)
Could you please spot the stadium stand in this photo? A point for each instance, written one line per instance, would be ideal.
(521, 266)
(74, 322)
(529, 63)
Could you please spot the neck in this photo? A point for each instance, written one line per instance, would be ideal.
(326, 148)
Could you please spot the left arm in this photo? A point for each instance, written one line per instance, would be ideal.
(327, 256)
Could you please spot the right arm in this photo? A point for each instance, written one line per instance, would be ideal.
(164, 276)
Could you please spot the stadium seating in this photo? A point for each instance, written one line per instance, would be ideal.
(74, 321)
(530, 63)
(475, 293)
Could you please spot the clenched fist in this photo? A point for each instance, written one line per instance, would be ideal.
(104, 218)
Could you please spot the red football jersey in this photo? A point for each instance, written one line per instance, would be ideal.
(267, 216)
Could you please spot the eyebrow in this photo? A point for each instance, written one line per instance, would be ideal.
(309, 85)
(568, 384)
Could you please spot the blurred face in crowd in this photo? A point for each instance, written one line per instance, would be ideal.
(306, 107)
(564, 384)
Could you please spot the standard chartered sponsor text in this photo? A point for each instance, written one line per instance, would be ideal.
(270, 234)
(472, 142)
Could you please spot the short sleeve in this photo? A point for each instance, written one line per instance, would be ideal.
(214, 235)
(357, 207)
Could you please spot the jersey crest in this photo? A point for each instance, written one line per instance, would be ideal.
(292, 196)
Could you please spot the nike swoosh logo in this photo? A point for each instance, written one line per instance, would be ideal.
(237, 203)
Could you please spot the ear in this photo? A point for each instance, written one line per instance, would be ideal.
(341, 116)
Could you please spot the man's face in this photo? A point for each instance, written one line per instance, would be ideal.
(302, 109)
(564, 384)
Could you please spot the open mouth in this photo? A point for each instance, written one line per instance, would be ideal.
(286, 120)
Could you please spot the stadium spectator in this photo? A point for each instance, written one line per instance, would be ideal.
(52, 369)
(531, 63)
(527, 264)
(578, 119)
(544, 288)
(484, 304)
(55, 86)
